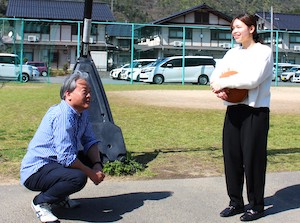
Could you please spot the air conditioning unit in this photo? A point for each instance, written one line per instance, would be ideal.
(177, 43)
(225, 45)
(297, 48)
(33, 38)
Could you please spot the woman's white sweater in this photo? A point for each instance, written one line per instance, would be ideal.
(254, 67)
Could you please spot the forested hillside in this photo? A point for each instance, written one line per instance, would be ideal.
(3, 4)
(140, 11)
(143, 11)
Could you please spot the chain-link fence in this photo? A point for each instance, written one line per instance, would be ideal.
(53, 46)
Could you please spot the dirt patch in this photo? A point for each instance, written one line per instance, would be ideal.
(6, 180)
(283, 99)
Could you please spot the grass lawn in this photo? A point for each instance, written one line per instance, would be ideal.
(172, 142)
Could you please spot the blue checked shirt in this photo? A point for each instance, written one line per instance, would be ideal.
(62, 132)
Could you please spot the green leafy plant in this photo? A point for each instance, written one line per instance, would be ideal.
(118, 168)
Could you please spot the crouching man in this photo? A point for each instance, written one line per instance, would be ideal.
(51, 164)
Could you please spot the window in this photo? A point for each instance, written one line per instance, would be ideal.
(35, 27)
(294, 38)
(173, 63)
(74, 29)
(220, 35)
(9, 60)
(176, 62)
(191, 62)
(124, 43)
(94, 29)
(178, 33)
(201, 17)
(266, 37)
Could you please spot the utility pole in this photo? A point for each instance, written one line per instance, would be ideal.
(272, 22)
(112, 6)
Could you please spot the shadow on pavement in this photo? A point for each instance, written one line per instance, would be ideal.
(109, 209)
(283, 200)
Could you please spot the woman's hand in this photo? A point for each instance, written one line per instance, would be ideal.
(215, 87)
(223, 94)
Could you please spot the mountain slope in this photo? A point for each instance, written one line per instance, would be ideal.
(146, 11)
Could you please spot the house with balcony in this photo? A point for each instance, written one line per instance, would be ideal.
(49, 30)
(287, 29)
(201, 30)
(119, 36)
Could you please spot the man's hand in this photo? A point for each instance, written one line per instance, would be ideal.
(94, 155)
(97, 177)
(97, 168)
(95, 174)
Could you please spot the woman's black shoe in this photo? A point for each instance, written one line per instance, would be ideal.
(251, 215)
(232, 210)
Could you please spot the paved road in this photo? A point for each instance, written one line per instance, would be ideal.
(158, 201)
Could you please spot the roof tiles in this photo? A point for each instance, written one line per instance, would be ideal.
(55, 9)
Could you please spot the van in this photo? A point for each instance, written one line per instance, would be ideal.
(10, 68)
(197, 69)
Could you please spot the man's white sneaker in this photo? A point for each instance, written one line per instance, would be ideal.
(43, 212)
(67, 203)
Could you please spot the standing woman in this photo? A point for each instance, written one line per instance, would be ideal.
(246, 123)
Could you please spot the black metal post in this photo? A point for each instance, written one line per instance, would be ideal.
(87, 24)
(112, 146)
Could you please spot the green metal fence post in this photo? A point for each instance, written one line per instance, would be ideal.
(183, 55)
(21, 50)
(132, 53)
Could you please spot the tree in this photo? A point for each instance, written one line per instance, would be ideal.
(3, 6)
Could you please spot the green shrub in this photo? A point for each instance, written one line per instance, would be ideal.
(58, 72)
(118, 168)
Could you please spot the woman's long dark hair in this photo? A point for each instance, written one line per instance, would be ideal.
(249, 20)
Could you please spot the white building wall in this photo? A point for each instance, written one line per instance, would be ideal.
(215, 20)
(190, 18)
(178, 20)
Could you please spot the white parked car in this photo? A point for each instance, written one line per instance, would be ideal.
(10, 68)
(35, 71)
(116, 73)
(136, 66)
(282, 67)
(288, 75)
(137, 72)
(197, 69)
(296, 77)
